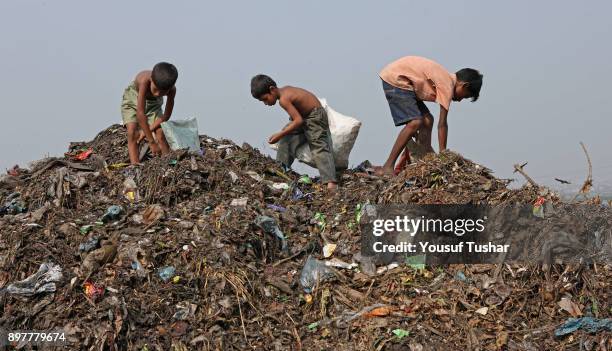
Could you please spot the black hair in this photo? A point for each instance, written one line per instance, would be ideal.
(261, 84)
(164, 75)
(473, 78)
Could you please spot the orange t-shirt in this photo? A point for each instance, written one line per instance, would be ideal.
(428, 79)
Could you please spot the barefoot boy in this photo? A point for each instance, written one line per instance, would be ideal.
(308, 124)
(411, 80)
(141, 108)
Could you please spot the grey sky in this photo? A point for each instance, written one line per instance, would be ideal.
(546, 66)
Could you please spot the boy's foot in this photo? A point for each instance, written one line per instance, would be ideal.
(383, 171)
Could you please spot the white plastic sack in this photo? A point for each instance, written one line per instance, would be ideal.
(344, 131)
(182, 134)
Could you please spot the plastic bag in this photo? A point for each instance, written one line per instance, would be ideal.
(40, 282)
(314, 271)
(182, 134)
(344, 131)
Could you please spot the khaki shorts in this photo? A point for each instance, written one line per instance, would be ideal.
(153, 108)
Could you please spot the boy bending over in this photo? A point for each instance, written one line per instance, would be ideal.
(141, 108)
(411, 80)
(308, 124)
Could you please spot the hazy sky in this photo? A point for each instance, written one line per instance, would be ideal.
(546, 67)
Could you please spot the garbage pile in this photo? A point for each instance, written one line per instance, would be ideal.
(223, 249)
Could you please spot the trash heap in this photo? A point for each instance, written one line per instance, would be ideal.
(224, 250)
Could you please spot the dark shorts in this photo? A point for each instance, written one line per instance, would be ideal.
(404, 104)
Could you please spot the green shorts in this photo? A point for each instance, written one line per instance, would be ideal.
(153, 108)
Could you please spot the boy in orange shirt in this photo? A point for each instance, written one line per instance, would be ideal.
(411, 80)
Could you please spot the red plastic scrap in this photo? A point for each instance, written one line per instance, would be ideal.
(93, 291)
(540, 201)
(83, 155)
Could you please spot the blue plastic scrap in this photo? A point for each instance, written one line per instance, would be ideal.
(269, 225)
(590, 324)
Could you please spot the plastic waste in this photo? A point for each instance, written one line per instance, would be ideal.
(279, 186)
(83, 155)
(269, 225)
(590, 324)
(91, 244)
(240, 202)
(400, 333)
(233, 176)
(328, 249)
(538, 207)
(167, 273)
(93, 291)
(320, 220)
(112, 213)
(363, 167)
(461, 277)
(130, 190)
(86, 229)
(276, 207)
(185, 310)
(335, 262)
(305, 179)
(416, 262)
(314, 272)
(13, 205)
(182, 134)
(40, 282)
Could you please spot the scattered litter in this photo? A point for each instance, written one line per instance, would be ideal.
(42, 281)
(400, 333)
(269, 225)
(113, 213)
(276, 208)
(167, 273)
(185, 310)
(93, 291)
(386, 268)
(241, 202)
(483, 310)
(590, 324)
(305, 179)
(313, 273)
(91, 244)
(338, 263)
(279, 186)
(329, 249)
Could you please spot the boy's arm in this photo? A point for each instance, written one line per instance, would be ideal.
(167, 110)
(296, 121)
(442, 128)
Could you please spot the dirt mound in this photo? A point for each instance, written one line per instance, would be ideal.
(205, 251)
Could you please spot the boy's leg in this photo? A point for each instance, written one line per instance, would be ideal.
(407, 132)
(319, 139)
(406, 110)
(161, 141)
(132, 136)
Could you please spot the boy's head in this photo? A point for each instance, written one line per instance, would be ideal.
(469, 82)
(264, 89)
(164, 77)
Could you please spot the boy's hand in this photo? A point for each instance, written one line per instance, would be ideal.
(155, 149)
(275, 138)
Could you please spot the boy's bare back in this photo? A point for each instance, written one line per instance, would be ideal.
(303, 100)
